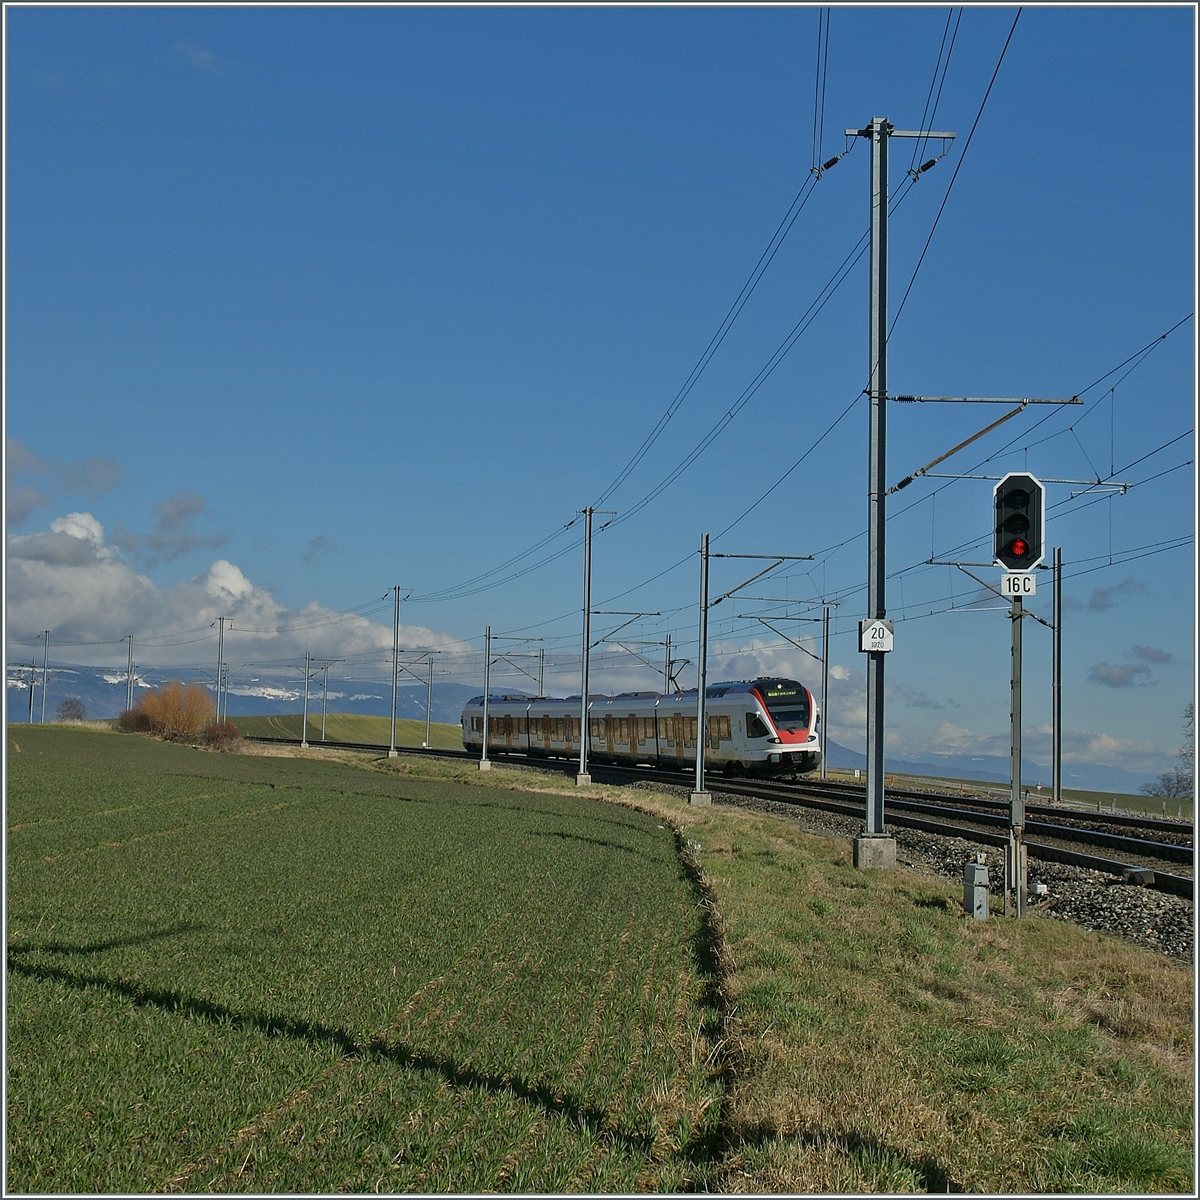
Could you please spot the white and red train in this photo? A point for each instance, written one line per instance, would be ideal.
(759, 727)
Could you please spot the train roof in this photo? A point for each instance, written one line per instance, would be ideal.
(765, 684)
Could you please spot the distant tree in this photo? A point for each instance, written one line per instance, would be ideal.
(1170, 785)
(1180, 782)
(72, 709)
(1187, 752)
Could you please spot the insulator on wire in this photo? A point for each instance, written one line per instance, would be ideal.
(925, 166)
(830, 163)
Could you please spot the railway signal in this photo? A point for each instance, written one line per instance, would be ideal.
(1019, 522)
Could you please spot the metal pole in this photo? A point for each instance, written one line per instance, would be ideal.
(428, 705)
(541, 671)
(324, 700)
(1016, 855)
(484, 764)
(700, 796)
(876, 470)
(32, 684)
(220, 661)
(667, 667)
(825, 695)
(129, 678)
(304, 723)
(1056, 753)
(45, 660)
(583, 777)
(395, 668)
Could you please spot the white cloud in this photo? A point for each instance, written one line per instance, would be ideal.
(760, 656)
(70, 581)
(1080, 746)
(83, 526)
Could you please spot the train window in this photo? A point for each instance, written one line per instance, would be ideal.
(794, 717)
(725, 728)
(575, 729)
(789, 712)
(755, 728)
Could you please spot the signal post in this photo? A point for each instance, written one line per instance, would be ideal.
(1018, 543)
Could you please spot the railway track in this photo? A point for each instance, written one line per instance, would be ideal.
(972, 818)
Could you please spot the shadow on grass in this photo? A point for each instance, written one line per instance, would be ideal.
(585, 1117)
(98, 947)
(576, 837)
(875, 1157)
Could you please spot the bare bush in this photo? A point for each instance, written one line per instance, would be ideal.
(177, 711)
(222, 736)
(133, 720)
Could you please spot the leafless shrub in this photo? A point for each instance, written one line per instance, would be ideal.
(176, 712)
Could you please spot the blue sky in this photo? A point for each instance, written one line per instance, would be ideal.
(302, 303)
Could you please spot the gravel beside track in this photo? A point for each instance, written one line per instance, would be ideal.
(1089, 898)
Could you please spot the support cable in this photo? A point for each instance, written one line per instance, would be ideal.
(957, 167)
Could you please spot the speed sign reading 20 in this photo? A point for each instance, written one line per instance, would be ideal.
(875, 636)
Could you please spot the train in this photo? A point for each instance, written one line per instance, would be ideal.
(763, 726)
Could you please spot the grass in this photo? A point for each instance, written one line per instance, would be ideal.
(353, 727)
(883, 1041)
(551, 1027)
(267, 974)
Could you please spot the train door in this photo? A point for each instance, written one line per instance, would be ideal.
(610, 734)
(634, 730)
(677, 729)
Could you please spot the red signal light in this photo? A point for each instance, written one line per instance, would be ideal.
(1020, 548)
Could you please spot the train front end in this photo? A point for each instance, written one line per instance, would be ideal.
(792, 744)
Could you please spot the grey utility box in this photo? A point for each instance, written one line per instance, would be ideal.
(975, 890)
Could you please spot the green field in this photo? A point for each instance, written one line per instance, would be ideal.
(323, 970)
(262, 974)
(352, 727)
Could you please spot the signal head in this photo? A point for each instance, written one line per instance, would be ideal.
(1019, 522)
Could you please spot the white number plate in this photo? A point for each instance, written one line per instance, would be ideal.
(875, 636)
(1018, 583)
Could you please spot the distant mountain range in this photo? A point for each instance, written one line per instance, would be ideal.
(993, 768)
(103, 694)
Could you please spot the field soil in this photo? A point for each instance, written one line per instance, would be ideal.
(320, 970)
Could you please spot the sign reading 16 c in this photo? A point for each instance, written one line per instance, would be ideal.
(1018, 584)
